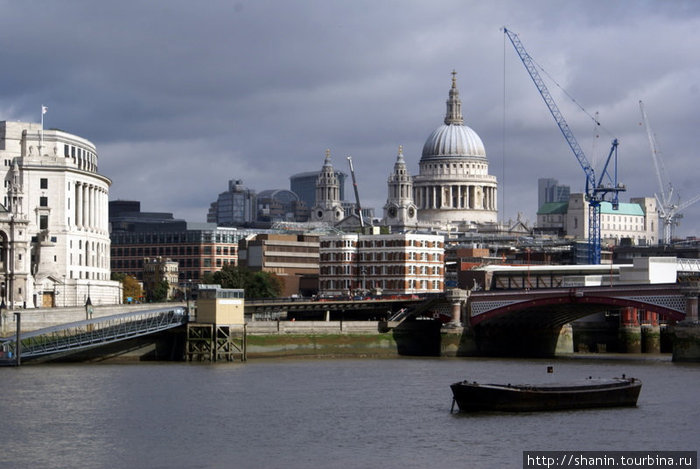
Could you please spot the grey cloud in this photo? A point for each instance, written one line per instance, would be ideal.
(181, 96)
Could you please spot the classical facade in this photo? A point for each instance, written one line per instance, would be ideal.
(327, 207)
(393, 263)
(637, 220)
(53, 220)
(454, 187)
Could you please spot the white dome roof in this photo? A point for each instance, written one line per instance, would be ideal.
(453, 141)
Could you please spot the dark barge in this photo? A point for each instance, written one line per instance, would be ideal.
(584, 394)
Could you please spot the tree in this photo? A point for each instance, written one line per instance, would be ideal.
(131, 288)
(159, 292)
(255, 284)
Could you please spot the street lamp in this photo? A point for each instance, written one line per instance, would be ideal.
(187, 299)
(88, 305)
(3, 319)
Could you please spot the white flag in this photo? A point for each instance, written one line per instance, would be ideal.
(43, 110)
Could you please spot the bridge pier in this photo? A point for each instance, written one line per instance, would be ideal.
(651, 332)
(458, 342)
(686, 334)
(630, 332)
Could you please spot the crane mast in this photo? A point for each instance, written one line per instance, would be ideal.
(357, 194)
(595, 190)
(669, 212)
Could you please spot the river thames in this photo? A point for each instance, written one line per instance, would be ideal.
(344, 413)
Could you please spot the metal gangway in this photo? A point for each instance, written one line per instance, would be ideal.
(90, 333)
(412, 311)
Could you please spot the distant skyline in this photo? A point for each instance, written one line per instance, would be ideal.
(181, 97)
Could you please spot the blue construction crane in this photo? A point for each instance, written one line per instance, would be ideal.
(595, 190)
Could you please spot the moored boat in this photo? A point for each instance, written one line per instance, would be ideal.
(588, 393)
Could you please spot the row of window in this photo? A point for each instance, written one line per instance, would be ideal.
(145, 251)
(191, 236)
(83, 158)
(400, 270)
(455, 166)
(389, 285)
(380, 256)
(380, 243)
(137, 264)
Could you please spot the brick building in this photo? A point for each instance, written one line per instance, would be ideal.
(393, 263)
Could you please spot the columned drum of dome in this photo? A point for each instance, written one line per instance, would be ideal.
(454, 186)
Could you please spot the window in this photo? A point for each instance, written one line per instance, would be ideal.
(43, 201)
(43, 222)
(44, 183)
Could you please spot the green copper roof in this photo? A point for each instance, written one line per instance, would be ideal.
(624, 209)
(552, 208)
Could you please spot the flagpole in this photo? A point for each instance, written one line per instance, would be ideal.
(41, 133)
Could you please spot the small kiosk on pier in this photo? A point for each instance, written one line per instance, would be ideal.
(218, 332)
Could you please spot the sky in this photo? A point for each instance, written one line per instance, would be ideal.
(180, 96)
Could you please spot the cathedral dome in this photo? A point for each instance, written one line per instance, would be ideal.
(453, 139)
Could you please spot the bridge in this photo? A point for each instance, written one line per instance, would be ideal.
(558, 306)
(330, 308)
(520, 322)
(78, 335)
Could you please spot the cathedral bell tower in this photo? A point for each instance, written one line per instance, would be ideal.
(327, 207)
(399, 210)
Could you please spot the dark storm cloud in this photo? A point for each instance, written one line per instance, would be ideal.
(182, 96)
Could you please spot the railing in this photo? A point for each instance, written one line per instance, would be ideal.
(688, 265)
(99, 331)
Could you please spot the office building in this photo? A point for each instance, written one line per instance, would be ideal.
(198, 248)
(293, 258)
(235, 207)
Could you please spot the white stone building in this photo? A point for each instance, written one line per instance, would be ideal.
(637, 220)
(53, 221)
(393, 263)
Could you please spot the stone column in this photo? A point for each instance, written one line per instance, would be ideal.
(91, 206)
(78, 204)
(86, 218)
